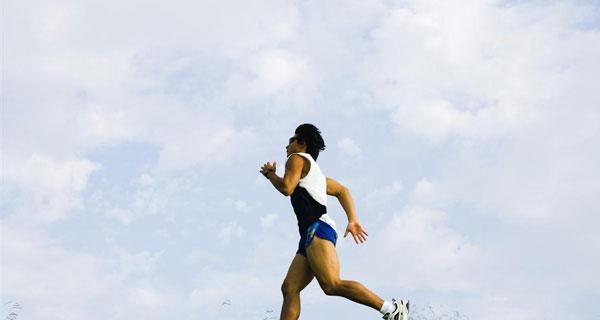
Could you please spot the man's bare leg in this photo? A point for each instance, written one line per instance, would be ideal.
(324, 264)
(298, 277)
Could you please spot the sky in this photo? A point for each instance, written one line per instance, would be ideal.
(132, 133)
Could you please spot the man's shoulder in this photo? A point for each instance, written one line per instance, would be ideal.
(302, 155)
(298, 159)
(295, 158)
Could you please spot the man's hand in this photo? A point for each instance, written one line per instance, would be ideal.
(357, 231)
(268, 167)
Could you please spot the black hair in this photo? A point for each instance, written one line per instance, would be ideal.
(311, 136)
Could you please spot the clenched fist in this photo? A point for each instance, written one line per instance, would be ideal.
(268, 167)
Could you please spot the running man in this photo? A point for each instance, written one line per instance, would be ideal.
(316, 257)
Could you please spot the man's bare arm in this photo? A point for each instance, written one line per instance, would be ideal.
(291, 177)
(343, 195)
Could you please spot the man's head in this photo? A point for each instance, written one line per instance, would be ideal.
(307, 138)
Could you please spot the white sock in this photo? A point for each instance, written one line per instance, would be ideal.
(387, 307)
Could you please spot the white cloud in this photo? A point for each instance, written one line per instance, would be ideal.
(163, 233)
(384, 194)
(122, 215)
(145, 180)
(232, 229)
(201, 139)
(149, 297)
(143, 262)
(426, 193)
(433, 119)
(53, 22)
(242, 206)
(277, 69)
(469, 72)
(44, 188)
(48, 280)
(142, 198)
(349, 147)
(418, 244)
(267, 220)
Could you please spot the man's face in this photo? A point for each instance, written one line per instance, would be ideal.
(294, 146)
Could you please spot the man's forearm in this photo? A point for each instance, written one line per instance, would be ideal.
(276, 181)
(347, 203)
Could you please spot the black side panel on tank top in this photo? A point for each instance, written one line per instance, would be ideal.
(307, 209)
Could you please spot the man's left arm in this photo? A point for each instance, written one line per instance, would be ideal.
(343, 195)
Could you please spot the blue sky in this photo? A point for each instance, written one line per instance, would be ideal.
(133, 132)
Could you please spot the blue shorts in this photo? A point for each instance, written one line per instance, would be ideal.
(320, 229)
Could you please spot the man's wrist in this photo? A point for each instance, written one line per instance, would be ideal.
(267, 174)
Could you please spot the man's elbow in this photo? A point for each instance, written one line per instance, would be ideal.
(287, 191)
(342, 191)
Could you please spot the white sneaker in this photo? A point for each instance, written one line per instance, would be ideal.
(401, 311)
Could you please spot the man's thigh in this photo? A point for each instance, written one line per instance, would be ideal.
(299, 274)
(323, 261)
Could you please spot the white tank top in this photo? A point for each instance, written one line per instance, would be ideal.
(315, 183)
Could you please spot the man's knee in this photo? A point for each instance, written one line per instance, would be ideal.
(288, 288)
(331, 288)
